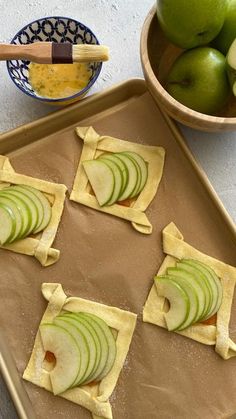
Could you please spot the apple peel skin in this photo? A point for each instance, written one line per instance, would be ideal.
(198, 80)
(216, 335)
(191, 23)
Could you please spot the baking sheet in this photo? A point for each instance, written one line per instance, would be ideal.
(103, 258)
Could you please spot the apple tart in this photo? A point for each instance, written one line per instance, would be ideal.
(171, 301)
(31, 210)
(69, 376)
(142, 192)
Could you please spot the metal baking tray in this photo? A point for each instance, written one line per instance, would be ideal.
(185, 196)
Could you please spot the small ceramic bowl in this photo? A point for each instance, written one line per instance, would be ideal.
(157, 56)
(52, 29)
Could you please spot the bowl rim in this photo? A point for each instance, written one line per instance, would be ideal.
(66, 98)
(164, 98)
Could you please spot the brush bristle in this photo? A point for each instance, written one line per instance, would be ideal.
(89, 52)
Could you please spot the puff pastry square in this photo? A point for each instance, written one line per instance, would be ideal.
(176, 248)
(94, 397)
(94, 145)
(38, 246)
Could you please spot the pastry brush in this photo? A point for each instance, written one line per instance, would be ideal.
(54, 53)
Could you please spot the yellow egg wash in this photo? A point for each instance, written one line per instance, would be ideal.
(58, 80)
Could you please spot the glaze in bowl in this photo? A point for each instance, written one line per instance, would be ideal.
(52, 29)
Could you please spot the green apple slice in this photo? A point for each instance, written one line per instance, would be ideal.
(7, 224)
(34, 198)
(188, 287)
(81, 342)
(30, 204)
(102, 352)
(64, 347)
(199, 290)
(117, 178)
(179, 302)
(202, 281)
(111, 345)
(104, 345)
(74, 320)
(143, 169)
(213, 281)
(124, 171)
(139, 180)
(47, 210)
(133, 176)
(16, 214)
(89, 336)
(24, 211)
(101, 179)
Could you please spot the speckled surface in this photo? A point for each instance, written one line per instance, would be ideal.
(117, 23)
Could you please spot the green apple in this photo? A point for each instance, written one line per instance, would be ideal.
(191, 23)
(179, 301)
(81, 342)
(231, 66)
(62, 344)
(198, 80)
(194, 292)
(201, 270)
(189, 289)
(228, 32)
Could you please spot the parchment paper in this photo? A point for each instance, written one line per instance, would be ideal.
(103, 258)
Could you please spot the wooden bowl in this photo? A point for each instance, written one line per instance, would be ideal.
(157, 57)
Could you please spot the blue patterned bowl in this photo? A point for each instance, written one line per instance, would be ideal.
(52, 29)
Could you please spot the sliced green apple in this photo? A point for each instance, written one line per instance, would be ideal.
(64, 347)
(133, 176)
(91, 342)
(202, 281)
(34, 198)
(213, 280)
(7, 224)
(125, 176)
(143, 169)
(44, 209)
(199, 290)
(30, 204)
(118, 179)
(190, 290)
(81, 342)
(178, 299)
(16, 214)
(111, 345)
(139, 179)
(101, 179)
(24, 210)
(104, 346)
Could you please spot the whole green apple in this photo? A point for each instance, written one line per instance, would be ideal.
(198, 80)
(228, 32)
(191, 23)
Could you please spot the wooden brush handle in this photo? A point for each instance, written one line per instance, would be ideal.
(39, 52)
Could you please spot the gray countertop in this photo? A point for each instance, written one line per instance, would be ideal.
(117, 24)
